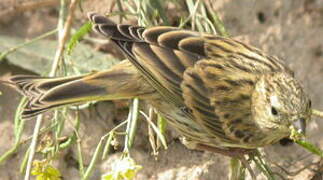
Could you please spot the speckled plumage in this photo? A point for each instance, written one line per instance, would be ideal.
(215, 91)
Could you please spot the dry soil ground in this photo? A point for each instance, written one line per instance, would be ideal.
(290, 29)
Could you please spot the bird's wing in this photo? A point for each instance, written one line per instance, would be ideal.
(161, 54)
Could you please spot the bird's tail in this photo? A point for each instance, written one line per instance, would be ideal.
(43, 93)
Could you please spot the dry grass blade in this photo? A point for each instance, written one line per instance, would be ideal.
(157, 131)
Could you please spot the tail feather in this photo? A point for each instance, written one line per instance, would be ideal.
(44, 93)
(41, 83)
(37, 88)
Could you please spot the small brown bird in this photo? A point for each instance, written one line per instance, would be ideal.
(217, 92)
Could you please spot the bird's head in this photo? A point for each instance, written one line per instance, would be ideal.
(279, 103)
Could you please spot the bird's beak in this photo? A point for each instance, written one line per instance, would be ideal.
(300, 125)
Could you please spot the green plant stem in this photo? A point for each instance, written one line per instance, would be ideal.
(106, 149)
(157, 131)
(94, 159)
(80, 158)
(24, 162)
(237, 172)
(33, 145)
(263, 166)
(310, 147)
(132, 124)
(218, 24)
(13, 49)
(19, 126)
(121, 16)
(192, 12)
(97, 152)
(317, 113)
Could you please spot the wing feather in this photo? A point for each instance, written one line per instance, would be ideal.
(197, 99)
(156, 52)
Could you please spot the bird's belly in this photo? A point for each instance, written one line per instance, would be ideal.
(179, 120)
(186, 126)
(195, 133)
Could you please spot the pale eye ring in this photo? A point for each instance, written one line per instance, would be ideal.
(274, 111)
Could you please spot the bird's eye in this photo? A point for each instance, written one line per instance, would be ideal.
(274, 111)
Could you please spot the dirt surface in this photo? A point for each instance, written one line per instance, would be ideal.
(290, 29)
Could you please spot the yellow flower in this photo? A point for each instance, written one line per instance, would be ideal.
(44, 171)
(125, 169)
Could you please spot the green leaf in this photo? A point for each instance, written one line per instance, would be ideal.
(299, 139)
(310, 147)
(85, 29)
